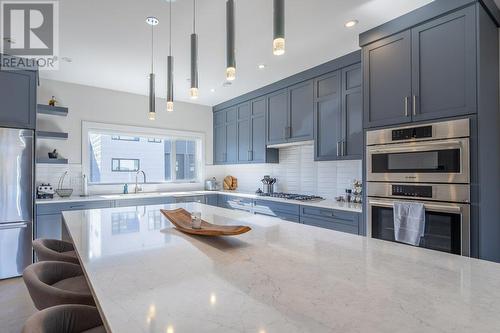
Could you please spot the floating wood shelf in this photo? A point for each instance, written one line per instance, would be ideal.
(51, 135)
(52, 110)
(46, 160)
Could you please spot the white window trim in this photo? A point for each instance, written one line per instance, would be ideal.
(88, 126)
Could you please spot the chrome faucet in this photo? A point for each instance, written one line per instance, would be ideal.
(137, 187)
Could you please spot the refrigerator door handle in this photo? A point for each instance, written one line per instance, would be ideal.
(14, 225)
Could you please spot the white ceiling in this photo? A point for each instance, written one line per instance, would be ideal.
(109, 41)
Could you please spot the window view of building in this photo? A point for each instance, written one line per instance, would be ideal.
(115, 159)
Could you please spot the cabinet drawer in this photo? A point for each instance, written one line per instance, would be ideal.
(48, 226)
(332, 224)
(194, 198)
(236, 203)
(45, 209)
(324, 213)
(267, 207)
(144, 201)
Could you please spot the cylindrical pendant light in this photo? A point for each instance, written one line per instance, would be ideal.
(152, 21)
(278, 27)
(231, 62)
(170, 67)
(193, 92)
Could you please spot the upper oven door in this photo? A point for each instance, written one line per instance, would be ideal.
(442, 161)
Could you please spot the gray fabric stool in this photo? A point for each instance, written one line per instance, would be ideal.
(54, 250)
(65, 319)
(52, 283)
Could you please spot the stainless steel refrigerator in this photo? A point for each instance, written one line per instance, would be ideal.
(16, 200)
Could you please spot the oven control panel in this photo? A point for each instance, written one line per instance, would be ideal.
(412, 191)
(412, 133)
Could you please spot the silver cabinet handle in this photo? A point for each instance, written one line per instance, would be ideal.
(338, 148)
(414, 105)
(14, 225)
(343, 147)
(284, 132)
(406, 106)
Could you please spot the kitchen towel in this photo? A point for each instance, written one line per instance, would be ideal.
(409, 222)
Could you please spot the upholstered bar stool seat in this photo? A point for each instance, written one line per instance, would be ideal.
(53, 283)
(65, 319)
(54, 250)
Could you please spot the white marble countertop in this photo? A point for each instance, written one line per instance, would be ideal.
(329, 204)
(279, 277)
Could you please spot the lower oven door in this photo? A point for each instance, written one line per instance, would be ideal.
(447, 225)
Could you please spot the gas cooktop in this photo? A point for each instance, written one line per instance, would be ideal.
(293, 196)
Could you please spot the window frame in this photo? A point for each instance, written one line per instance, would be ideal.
(125, 159)
(147, 132)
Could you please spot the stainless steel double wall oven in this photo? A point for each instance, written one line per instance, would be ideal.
(425, 163)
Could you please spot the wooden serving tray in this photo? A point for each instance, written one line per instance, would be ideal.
(181, 218)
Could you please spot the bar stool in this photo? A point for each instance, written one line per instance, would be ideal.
(55, 250)
(53, 283)
(65, 319)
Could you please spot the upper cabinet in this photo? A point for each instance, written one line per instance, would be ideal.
(225, 136)
(290, 114)
(423, 73)
(338, 115)
(18, 96)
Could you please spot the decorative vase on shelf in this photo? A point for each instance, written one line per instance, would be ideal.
(52, 101)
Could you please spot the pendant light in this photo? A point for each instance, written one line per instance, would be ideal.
(170, 66)
(279, 27)
(152, 21)
(193, 92)
(231, 63)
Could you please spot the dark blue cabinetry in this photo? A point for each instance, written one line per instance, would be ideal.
(284, 211)
(226, 136)
(423, 73)
(331, 219)
(18, 96)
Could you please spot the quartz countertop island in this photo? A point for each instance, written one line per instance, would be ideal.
(147, 276)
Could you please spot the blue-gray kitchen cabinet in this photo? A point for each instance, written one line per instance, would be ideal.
(231, 136)
(328, 117)
(423, 73)
(244, 147)
(235, 202)
(444, 66)
(333, 219)
(18, 96)
(144, 201)
(48, 222)
(277, 117)
(211, 199)
(284, 211)
(191, 198)
(387, 81)
(259, 153)
(300, 113)
(225, 136)
(352, 113)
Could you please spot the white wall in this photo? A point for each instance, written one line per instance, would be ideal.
(107, 106)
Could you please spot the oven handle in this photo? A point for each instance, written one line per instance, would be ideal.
(419, 147)
(427, 206)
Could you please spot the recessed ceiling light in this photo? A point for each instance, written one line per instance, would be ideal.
(212, 90)
(261, 66)
(227, 84)
(351, 23)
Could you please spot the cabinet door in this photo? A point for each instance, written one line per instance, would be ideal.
(18, 96)
(49, 226)
(277, 117)
(387, 81)
(231, 135)
(258, 131)
(220, 144)
(328, 117)
(244, 154)
(444, 66)
(301, 105)
(352, 110)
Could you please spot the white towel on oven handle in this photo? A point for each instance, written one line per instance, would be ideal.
(409, 222)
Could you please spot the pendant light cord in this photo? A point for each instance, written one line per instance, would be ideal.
(152, 50)
(170, 29)
(194, 16)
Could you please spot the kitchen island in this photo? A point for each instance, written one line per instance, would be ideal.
(146, 276)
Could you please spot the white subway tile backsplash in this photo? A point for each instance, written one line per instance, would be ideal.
(297, 172)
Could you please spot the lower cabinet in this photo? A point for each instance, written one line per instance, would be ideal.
(284, 211)
(143, 202)
(212, 199)
(193, 198)
(48, 223)
(331, 219)
(232, 202)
